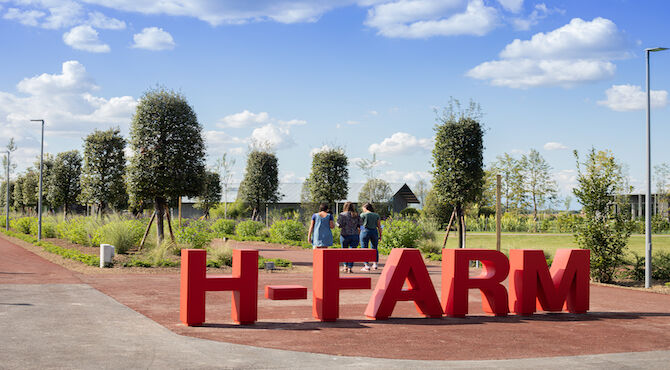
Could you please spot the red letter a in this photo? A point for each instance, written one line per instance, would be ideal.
(404, 264)
(456, 280)
(565, 286)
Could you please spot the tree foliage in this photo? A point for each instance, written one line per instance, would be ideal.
(64, 184)
(607, 225)
(538, 183)
(511, 182)
(224, 167)
(169, 151)
(329, 179)
(260, 185)
(103, 170)
(211, 193)
(458, 173)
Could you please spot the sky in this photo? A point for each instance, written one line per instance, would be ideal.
(366, 76)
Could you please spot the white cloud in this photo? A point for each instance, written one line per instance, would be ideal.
(153, 38)
(244, 119)
(25, 17)
(275, 136)
(427, 18)
(513, 6)
(85, 38)
(552, 145)
(405, 176)
(250, 119)
(66, 102)
(99, 20)
(219, 142)
(217, 12)
(293, 122)
(581, 51)
(623, 98)
(401, 143)
(566, 181)
(540, 12)
(373, 113)
(290, 177)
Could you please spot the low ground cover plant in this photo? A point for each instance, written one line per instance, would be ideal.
(249, 228)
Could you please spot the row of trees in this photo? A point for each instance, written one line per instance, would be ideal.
(69, 179)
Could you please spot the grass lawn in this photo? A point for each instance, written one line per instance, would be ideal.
(547, 242)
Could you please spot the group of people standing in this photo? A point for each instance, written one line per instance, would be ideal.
(364, 228)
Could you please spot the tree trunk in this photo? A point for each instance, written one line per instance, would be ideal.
(459, 218)
(169, 221)
(159, 207)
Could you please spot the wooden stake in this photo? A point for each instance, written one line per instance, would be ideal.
(464, 229)
(498, 211)
(179, 203)
(146, 232)
(169, 220)
(451, 220)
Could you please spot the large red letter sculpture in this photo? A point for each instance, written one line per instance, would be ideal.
(404, 265)
(328, 283)
(565, 286)
(194, 285)
(456, 280)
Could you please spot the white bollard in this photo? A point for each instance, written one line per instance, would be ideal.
(106, 255)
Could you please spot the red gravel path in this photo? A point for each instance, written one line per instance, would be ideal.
(621, 320)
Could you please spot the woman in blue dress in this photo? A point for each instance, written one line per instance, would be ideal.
(320, 228)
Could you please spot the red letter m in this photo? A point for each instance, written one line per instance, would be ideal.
(532, 285)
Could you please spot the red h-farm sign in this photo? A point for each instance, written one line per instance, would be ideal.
(532, 284)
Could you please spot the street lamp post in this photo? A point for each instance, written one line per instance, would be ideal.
(39, 202)
(7, 196)
(647, 198)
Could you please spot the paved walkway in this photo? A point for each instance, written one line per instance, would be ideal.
(50, 319)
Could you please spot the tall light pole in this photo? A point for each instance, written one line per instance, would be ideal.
(647, 197)
(39, 202)
(7, 196)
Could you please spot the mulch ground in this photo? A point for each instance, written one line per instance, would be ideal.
(620, 320)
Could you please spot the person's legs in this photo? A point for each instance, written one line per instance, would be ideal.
(344, 244)
(353, 243)
(374, 240)
(365, 238)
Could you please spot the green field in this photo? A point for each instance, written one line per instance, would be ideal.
(547, 242)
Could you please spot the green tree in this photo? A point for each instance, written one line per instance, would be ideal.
(17, 194)
(29, 188)
(169, 151)
(329, 179)
(224, 167)
(604, 231)
(211, 193)
(458, 172)
(377, 192)
(103, 170)
(662, 179)
(436, 210)
(260, 185)
(511, 181)
(64, 185)
(538, 182)
(421, 191)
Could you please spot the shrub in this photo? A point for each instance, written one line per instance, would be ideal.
(123, 235)
(279, 262)
(287, 230)
(660, 266)
(219, 256)
(399, 234)
(410, 212)
(24, 224)
(223, 227)
(75, 231)
(196, 235)
(249, 228)
(635, 268)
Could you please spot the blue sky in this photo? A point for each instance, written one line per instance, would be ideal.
(365, 75)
